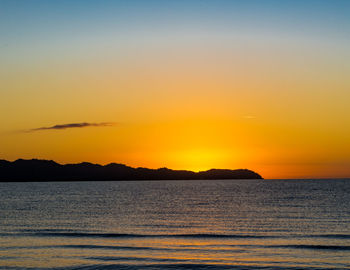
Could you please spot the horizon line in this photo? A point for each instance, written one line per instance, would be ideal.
(188, 170)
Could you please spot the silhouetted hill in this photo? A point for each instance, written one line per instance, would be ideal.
(48, 170)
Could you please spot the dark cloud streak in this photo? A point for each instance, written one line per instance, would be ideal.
(72, 125)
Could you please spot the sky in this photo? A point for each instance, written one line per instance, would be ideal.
(263, 85)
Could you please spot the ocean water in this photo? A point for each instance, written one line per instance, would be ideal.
(222, 224)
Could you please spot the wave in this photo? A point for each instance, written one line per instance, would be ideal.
(83, 247)
(331, 236)
(187, 248)
(170, 266)
(323, 247)
(143, 259)
(109, 247)
(96, 234)
(125, 235)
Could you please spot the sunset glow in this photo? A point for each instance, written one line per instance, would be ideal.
(187, 85)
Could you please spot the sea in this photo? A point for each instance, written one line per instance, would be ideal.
(209, 224)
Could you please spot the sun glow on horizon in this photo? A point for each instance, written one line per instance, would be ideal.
(201, 159)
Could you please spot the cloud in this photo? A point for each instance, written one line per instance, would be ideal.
(72, 125)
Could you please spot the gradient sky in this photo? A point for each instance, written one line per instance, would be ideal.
(263, 85)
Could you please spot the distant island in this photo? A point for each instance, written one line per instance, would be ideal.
(48, 170)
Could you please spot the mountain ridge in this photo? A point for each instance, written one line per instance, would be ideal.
(27, 170)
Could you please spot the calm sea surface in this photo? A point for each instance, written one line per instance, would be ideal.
(224, 224)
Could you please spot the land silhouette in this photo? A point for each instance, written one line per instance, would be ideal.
(48, 170)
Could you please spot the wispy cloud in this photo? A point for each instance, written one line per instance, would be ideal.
(72, 125)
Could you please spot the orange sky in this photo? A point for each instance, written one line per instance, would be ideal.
(180, 95)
